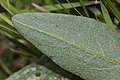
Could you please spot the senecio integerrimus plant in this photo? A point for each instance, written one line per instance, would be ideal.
(83, 46)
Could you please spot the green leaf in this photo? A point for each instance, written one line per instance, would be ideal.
(66, 5)
(11, 9)
(74, 7)
(107, 16)
(5, 19)
(9, 29)
(65, 9)
(83, 46)
(84, 8)
(113, 8)
(35, 72)
(19, 4)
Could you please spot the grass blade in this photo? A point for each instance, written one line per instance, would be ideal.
(107, 16)
(6, 19)
(113, 8)
(74, 7)
(83, 5)
(7, 70)
(9, 29)
(12, 10)
(56, 7)
(63, 7)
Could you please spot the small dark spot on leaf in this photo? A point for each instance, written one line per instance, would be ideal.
(56, 25)
(38, 74)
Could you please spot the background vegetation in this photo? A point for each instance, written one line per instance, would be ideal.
(16, 52)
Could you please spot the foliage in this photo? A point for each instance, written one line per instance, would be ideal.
(106, 11)
(75, 43)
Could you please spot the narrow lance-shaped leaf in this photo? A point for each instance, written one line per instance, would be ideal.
(66, 5)
(5, 19)
(107, 16)
(113, 8)
(83, 46)
(12, 10)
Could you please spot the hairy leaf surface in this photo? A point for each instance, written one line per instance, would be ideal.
(83, 46)
(35, 72)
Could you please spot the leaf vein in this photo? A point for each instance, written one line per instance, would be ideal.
(100, 55)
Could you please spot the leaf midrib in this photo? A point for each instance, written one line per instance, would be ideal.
(109, 59)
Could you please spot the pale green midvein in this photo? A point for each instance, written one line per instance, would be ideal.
(74, 45)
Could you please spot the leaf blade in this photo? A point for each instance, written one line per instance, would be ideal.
(35, 72)
(75, 43)
(107, 16)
